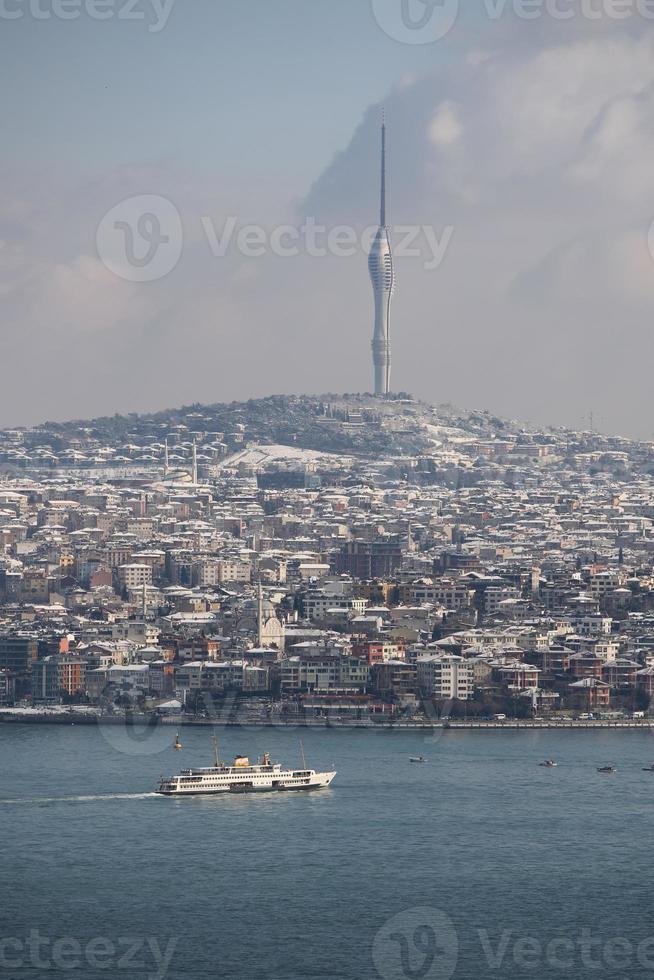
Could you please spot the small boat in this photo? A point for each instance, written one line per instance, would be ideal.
(549, 764)
(417, 758)
(649, 768)
(608, 769)
(178, 744)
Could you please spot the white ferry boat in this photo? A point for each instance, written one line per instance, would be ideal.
(243, 777)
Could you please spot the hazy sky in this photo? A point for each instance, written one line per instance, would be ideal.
(524, 147)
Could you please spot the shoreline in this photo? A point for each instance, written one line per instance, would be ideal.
(88, 719)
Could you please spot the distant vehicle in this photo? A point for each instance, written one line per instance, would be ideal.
(638, 714)
(586, 717)
(499, 717)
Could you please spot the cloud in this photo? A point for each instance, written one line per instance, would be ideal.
(537, 148)
(445, 127)
(541, 159)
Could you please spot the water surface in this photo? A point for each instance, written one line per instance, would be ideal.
(478, 863)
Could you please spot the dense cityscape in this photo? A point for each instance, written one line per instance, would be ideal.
(326, 489)
(326, 560)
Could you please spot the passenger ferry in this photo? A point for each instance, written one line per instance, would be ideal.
(243, 777)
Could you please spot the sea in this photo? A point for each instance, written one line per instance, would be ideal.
(477, 863)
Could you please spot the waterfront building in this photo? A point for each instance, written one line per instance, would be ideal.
(445, 676)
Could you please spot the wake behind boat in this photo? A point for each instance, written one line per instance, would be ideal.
(242, 776)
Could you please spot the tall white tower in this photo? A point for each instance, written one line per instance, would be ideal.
(382, 274)
(194, 469)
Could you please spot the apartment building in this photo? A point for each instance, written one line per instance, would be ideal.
(445, 676)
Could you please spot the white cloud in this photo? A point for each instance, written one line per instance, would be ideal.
(83, 295)
(445, 127)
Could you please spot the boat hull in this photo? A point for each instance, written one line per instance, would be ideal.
(238, 791)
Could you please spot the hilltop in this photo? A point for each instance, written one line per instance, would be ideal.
(398, 438)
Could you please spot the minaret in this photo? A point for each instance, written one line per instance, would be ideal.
(194, 472)
(382, 274)
(166, 460)
(260, 615)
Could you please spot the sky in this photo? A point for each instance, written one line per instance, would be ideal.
(187, 186)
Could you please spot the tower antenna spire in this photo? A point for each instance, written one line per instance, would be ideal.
(382, 215)
(382, 274)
